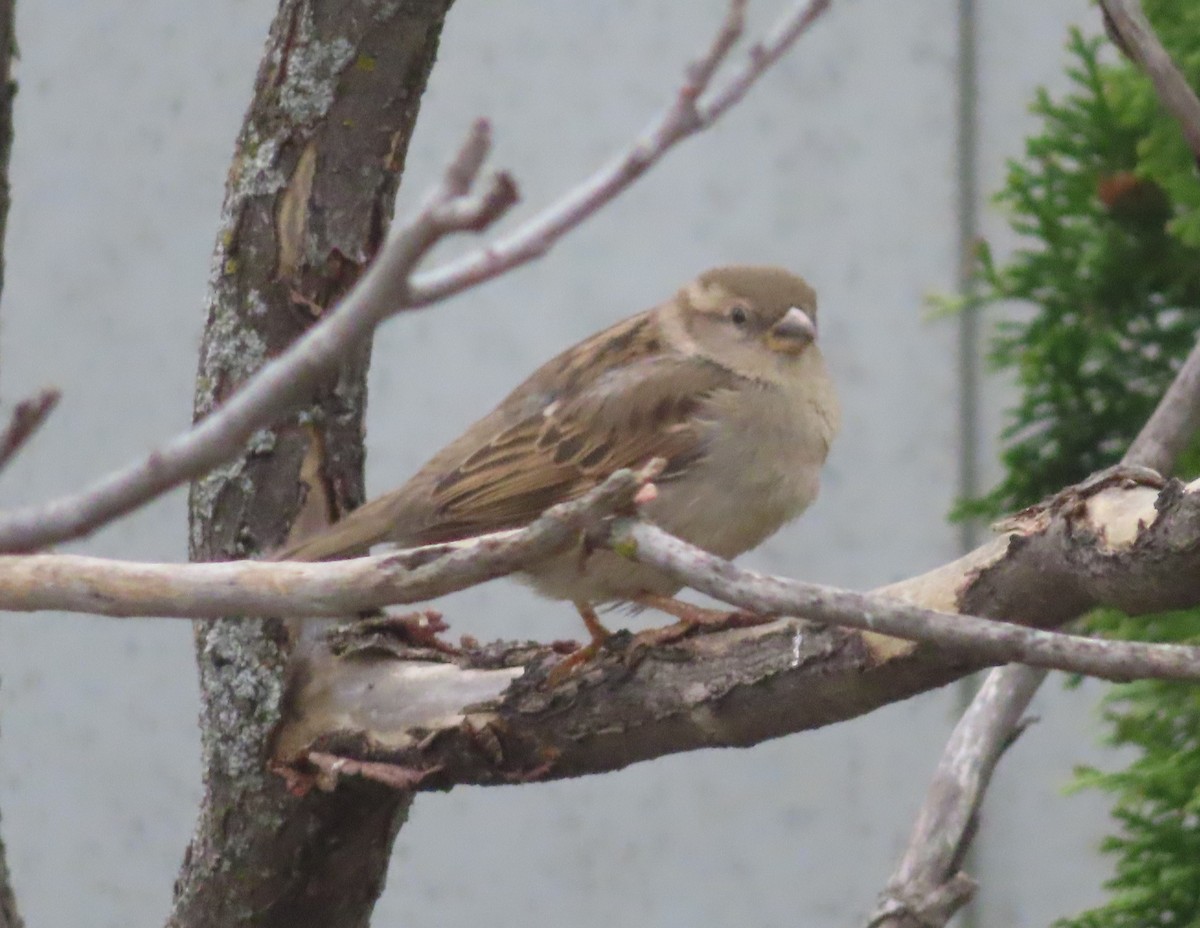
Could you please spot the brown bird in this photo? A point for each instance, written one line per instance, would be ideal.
(724, 382)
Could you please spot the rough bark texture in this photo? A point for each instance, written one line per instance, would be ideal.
(436, 725)
(9, 915)
(308, 201)
(8, 90)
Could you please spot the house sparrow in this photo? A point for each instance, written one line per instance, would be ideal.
(724, 382)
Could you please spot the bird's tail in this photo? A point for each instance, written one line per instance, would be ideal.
(352, 536)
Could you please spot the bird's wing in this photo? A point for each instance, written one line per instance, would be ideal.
(651, 407)
(615, 400)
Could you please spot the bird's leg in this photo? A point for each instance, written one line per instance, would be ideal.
(690, 617)
(581, 656)
(595, 627)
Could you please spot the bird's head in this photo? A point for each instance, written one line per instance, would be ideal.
(759, 322)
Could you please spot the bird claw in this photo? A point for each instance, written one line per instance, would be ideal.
(565, 669)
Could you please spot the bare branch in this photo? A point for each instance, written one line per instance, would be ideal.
(1177, 416)
(927, 886)
(1174, 422)
(689, 113)
(389, 286)
(283, 381)
(927, 869)
(26, 419)
(983, 640)
(1131, 31)
(335, 588)
(489, 717)
(761, 56)
(23, 423)
(339, 588)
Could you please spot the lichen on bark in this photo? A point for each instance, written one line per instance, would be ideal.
(309, 195)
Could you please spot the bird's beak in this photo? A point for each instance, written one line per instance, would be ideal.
(793, 333)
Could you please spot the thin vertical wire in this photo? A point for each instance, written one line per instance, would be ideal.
(967, 195)
(967, 210)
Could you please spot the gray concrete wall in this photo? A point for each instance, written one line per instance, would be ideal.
(841, 165)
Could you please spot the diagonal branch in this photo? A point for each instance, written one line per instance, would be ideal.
(983, 640)
(697, 105)
(918, 894)
(26, 419)
(391, 286)
(1129, 29)
(284, 381)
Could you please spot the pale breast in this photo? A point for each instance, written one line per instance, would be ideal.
(767, 445)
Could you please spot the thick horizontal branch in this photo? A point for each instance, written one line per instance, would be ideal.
(339, 588)
(1127, 546)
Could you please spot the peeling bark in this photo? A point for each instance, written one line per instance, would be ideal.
(491, 718)
(308, 200)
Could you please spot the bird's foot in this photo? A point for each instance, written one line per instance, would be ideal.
(561, 671)
(422, 629)
(691, 617)
(407, 634)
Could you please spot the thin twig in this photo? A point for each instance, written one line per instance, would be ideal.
(974, 638)
(391, 286)
(26, 419)
(697, 105)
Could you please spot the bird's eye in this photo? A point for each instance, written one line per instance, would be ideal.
(738, 315)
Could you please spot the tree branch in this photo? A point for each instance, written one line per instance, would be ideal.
(30, 413)
(390, 287)
(341, 588)
(283, 382)
(928, 886)
(697, 105)
(101, 586)
(972, 638)
(307, 204)
(926, 889)
(1129, 29)
(26, 419)
(474, 724)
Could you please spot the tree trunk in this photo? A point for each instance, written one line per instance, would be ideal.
(9, 914)
(307, 204)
